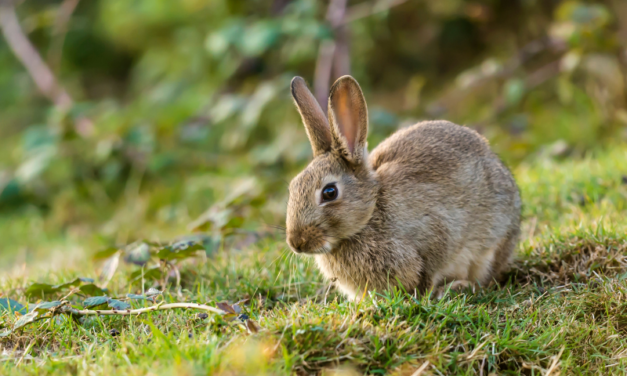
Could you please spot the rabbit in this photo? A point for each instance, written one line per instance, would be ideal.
(430, 206)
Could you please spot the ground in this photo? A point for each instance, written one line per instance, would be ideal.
(561, 310)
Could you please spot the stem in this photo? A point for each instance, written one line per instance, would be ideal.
(45, 80)
(368, 9)
(62, 20)
(30, 58)
(328, 51)
(136, 312)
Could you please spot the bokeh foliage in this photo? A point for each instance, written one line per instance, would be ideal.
(191, 108)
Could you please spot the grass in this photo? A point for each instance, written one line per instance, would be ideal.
(562, 309)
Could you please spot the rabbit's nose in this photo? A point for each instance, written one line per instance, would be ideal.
(296, 241)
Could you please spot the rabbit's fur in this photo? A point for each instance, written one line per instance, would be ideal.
(431, 203)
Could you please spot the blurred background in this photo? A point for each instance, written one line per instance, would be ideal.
(150, 119)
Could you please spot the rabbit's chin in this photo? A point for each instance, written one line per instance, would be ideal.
(327, 247)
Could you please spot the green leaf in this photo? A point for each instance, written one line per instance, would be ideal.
(149, 274)
(63, 286)
(6, 333)
(47, 306)
(179, 251)
(139, 255)
(118, 305)
(95, 301)
(25, 320)
(259, 37)
(514, 91)
(40, 289)
(91, 289)
(233, 223)
(136, 297)
(105, 253)
(152, 292)
(11, 305)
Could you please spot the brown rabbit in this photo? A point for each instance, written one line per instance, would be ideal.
(431, 204)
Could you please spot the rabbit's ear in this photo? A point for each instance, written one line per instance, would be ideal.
(315, 121)
(348, 116)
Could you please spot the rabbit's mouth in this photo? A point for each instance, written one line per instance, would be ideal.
(310, 241)
(325, 248)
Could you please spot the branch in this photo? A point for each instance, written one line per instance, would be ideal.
(30, 58)
(327, 52)
(322, 74)
(59, 32)
(334, 55)
(532, 49)
(370, 8)
(63, 307)
(40, 73)
(136, 312)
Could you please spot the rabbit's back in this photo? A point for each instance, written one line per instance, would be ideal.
(441, 174)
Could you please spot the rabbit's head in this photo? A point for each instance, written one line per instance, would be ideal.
(335, 196)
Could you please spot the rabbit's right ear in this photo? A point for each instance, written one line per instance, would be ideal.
(316, 123)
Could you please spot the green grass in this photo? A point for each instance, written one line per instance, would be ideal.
(563, 308)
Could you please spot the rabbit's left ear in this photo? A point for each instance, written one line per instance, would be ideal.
(348, 118)
(316, 123)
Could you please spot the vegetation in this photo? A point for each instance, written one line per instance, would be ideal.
(561, 310)
(152, 173)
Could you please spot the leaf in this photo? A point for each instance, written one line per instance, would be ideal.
(110, 266)
(6, 333)
(136, 297)
(229, 317)
(138, 255)
(25, 320)
(91, 289)
(514, 90)
(153, 273)
(232, 224)
(40, 289)
(179, 252)
(237, 308)
(11, 305)
(95, 301)
(47, 306)
(118, 305)
(226, 307)
(252, 326)
(63, 286)
(259, 37)
(152, 292)
(105, 253)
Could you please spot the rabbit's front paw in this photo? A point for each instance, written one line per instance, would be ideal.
(455, 287)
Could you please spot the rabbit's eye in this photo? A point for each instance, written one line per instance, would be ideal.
(329, 193)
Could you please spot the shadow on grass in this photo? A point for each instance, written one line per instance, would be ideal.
(574, 259)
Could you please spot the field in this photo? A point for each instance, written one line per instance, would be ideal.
(146, 147)
(562, 310)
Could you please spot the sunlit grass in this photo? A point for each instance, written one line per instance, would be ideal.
(561, 310)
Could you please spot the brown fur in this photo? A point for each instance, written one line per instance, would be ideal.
(432, 203)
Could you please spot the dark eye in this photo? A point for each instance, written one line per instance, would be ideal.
(329, 193)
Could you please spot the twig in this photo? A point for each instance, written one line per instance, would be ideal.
(40, 72)
(422, 368)
(30, 58)
(328, 50)
(136, 312)
(370, 8)
(555, 362)
(26, 351)
(64, 14)
(322, 75)
(457, 95)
